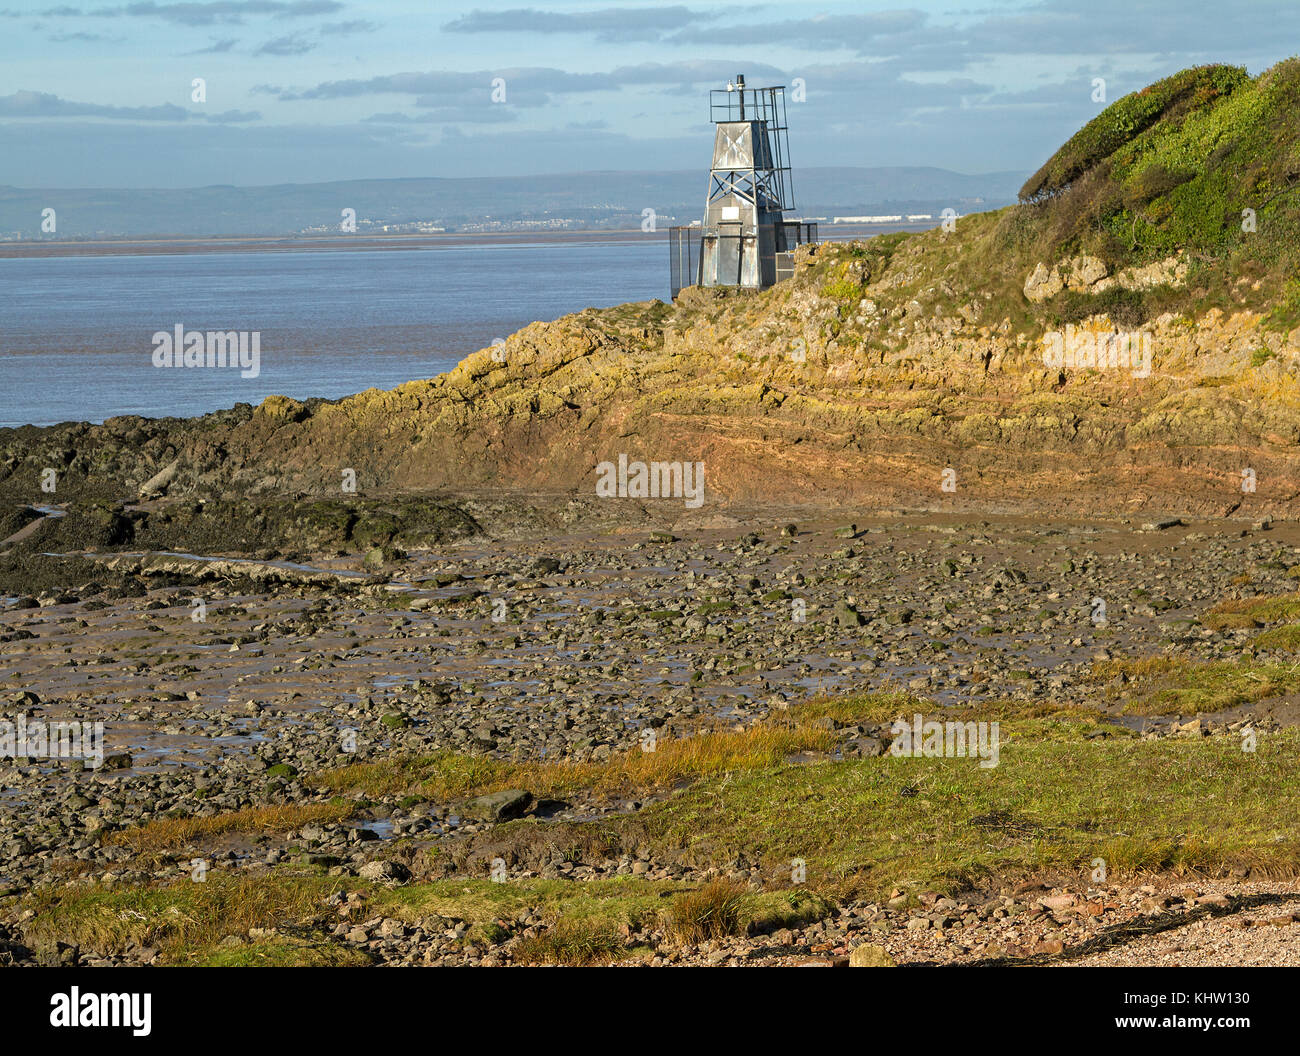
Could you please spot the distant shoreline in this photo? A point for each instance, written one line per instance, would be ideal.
(35, 249)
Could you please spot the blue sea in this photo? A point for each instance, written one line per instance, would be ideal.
(76, 332)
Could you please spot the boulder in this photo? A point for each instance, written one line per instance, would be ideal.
(868, 956)
(1043, 284)
(499, 806)
(385, 872)
(847, 616)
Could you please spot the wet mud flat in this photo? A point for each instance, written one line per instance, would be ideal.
(713, 624)
(230, 686)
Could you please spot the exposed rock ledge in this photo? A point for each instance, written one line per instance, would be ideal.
(859, 382)
(1085, 274)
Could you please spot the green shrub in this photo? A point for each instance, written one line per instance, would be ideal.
(1126, 308)
(1127, 118)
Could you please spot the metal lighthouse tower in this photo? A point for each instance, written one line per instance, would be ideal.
(745, 239)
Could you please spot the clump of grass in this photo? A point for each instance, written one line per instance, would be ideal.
(712, 911)
(573, 942)
(808, 726)
(490, 932)
(1138, 667)
(848, 709)
(865, 826)
(766, 911)
(1126, 308)
(1285, 313)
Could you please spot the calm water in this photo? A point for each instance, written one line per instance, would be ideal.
(76, 332)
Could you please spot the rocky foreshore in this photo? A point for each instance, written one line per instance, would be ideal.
(240, 705)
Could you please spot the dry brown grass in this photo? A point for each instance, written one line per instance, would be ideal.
(164, 834)
(1252, 612)
(1139, 668)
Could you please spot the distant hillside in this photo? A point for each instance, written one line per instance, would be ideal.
(593, 198)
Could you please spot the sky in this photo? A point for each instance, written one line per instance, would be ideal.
(102, 93)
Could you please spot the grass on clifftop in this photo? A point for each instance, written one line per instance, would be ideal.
(1173, 167)
(1167, 170)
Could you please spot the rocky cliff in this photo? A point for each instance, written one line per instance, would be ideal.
(1122, 342)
